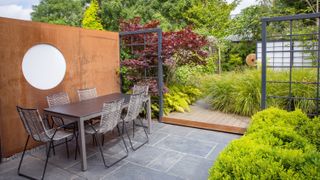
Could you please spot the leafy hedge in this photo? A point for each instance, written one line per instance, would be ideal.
(178, 98)
(277, 145)
(240, 92)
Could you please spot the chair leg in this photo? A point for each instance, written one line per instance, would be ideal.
(101, 152)
(77, 148)
(126, 131)
(47, 147)
(118, 130)
(45, 165)
(144, 129)
(135, 148)
(22, 157)
(102, 139)
(100, 148)
(53, 150)
(93, 140)
(24, 151)
(67, 147)
(133, 124)
(125, 144)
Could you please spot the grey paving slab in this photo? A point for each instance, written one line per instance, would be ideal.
(193, 168)
(134, 172)
(112, 147)
(145, 155)
(12, 164)
(186, 145)
(173, 152)
(176, 130)
(11, 175)
(60, 158)
(33, 167)
(96, 169)
(157, 126)
(216, 151)
(165, 161)
(153, 139)
(212, 136)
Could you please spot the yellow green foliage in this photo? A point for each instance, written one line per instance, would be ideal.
(179, 98)
(91, 20)
(277, 145)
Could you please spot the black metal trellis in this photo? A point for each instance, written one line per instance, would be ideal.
(140, 40)
(288, 57)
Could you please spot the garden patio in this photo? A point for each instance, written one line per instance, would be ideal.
(120, 96)
(173, 152)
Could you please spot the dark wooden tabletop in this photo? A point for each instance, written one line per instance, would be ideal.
(87, 107)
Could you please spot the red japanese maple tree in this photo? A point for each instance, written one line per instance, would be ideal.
(178, 48)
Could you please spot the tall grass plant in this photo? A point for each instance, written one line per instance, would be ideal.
(240, 92)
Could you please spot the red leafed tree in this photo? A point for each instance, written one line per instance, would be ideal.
(178, 48)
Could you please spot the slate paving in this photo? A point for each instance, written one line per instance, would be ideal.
(173, 152)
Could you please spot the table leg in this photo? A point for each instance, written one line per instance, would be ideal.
(83, 153)
(149, 114)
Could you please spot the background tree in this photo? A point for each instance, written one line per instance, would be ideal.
(247, 25)
(206, 16)
(167, 12)
(91, 19)
(210, 17)
(58, 12)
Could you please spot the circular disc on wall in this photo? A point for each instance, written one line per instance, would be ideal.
(43, 66)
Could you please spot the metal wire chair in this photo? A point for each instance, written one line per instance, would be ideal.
(35, 128)
(88, 93)
(137, 89)
(57, 99)
(85, 94)
(110, 118)
(134, 109)
(141, 89)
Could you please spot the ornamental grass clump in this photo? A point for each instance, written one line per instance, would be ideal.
(240, 92)
(277, 145)
(234, 92)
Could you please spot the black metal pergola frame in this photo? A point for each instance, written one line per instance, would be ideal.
(159, 78)
(290, 98)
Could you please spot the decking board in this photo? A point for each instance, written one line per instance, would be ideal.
(201, 116)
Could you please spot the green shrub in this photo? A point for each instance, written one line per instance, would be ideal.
(179, 98)
(311, 131)
(234, 54)
(274, 147)
(189, 74)
(240, 92)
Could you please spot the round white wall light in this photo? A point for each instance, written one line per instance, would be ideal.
(43, 66)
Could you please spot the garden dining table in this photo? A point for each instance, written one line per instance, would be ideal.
(85, 110)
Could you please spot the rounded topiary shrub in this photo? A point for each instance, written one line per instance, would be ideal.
(277, 145)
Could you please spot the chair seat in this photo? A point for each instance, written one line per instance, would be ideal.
(69, 121)
(145, 98)
(88, 129)
(60, 134)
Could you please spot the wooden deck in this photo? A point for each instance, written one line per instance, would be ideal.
(201, 116)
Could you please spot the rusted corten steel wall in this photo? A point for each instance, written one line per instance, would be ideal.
(92, 59)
